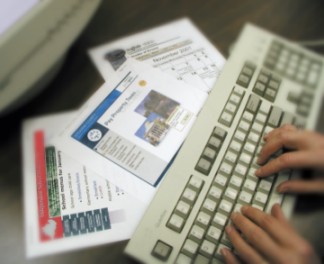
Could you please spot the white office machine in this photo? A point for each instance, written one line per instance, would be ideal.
(267, 81)
(34, 37)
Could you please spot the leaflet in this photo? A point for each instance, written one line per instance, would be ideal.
(134, 130)
(177, 48)
(68, 206)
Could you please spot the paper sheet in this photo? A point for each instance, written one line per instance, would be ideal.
(135, 130)
(67, 206)
(177, 48)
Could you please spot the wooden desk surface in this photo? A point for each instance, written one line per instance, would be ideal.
(221, 21)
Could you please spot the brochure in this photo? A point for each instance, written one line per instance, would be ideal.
(134, 130)
(177, 48)
(67, 206)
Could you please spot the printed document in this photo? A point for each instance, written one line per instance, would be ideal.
(134, 130)
(177, 48)
(68, 206)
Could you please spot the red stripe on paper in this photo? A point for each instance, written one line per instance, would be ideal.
(49, 228)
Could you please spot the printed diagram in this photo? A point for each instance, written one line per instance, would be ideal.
(157, 109)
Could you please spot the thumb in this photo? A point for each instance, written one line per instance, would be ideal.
(301, 186)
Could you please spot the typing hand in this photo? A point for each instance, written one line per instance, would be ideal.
(306, 151)
(267, 239)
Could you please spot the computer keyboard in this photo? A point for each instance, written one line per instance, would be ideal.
(267, 82)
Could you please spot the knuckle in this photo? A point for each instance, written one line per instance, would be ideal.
(267, 221)
(284, 160)
(306, 250)
(254, 235)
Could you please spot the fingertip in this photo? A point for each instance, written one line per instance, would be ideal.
(259, 172)
(282, 188)
(229, 256)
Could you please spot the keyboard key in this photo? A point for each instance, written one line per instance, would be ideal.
(213, 234)
(260, 198)
(236, 181)
(225, 206)
(264, 186)
(231, 157)
(176, 223)
(250, 185)
(230, 107)
(225, 168)
(215, 193)
(197, 233)
(226, 119)
(244, 126)
(221, 133)
(245, 197)
(214, 142)
(203, 219)
(190, 248)
(209, 206)
(218, 253)
(210, 153)
(253, 104)
(189, 196)
(207, 248)
(240, 169)
(221, 180)
(204, 166)
(183, 259)
(182, 209)
(161, 250)
(195, 183)
(236, 146)
(220, 220)
(274, 118)
(200, 259)
(240, 136)
(230, 193)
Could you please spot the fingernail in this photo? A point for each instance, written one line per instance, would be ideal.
(234, 215)
(224, 251)
(282, 188)
(228, 229)
(244, 208)
(258, 172)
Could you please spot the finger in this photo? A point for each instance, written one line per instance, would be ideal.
(279, 139)
(275, 131)
(229, 257)
(257, 237)
(301, 186)
(290, 160)
(276, 229)
(244, 250)
(277, 213)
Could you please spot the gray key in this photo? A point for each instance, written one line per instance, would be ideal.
(253, 103)
(275, 115)
(287, 118)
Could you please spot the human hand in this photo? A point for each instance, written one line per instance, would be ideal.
(268, 239)
(306, 151)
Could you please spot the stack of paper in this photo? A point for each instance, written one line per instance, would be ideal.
(89, 180)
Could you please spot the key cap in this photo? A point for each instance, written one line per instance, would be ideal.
(274, 118)
(220, 220)
(176, 222)
(189, 196)
(196, 233)
(190, 248)
(253, 103)
(203, 219)
(213, 234)
(207, 248)
(183, 259)
(182, 209)
(215, 193)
